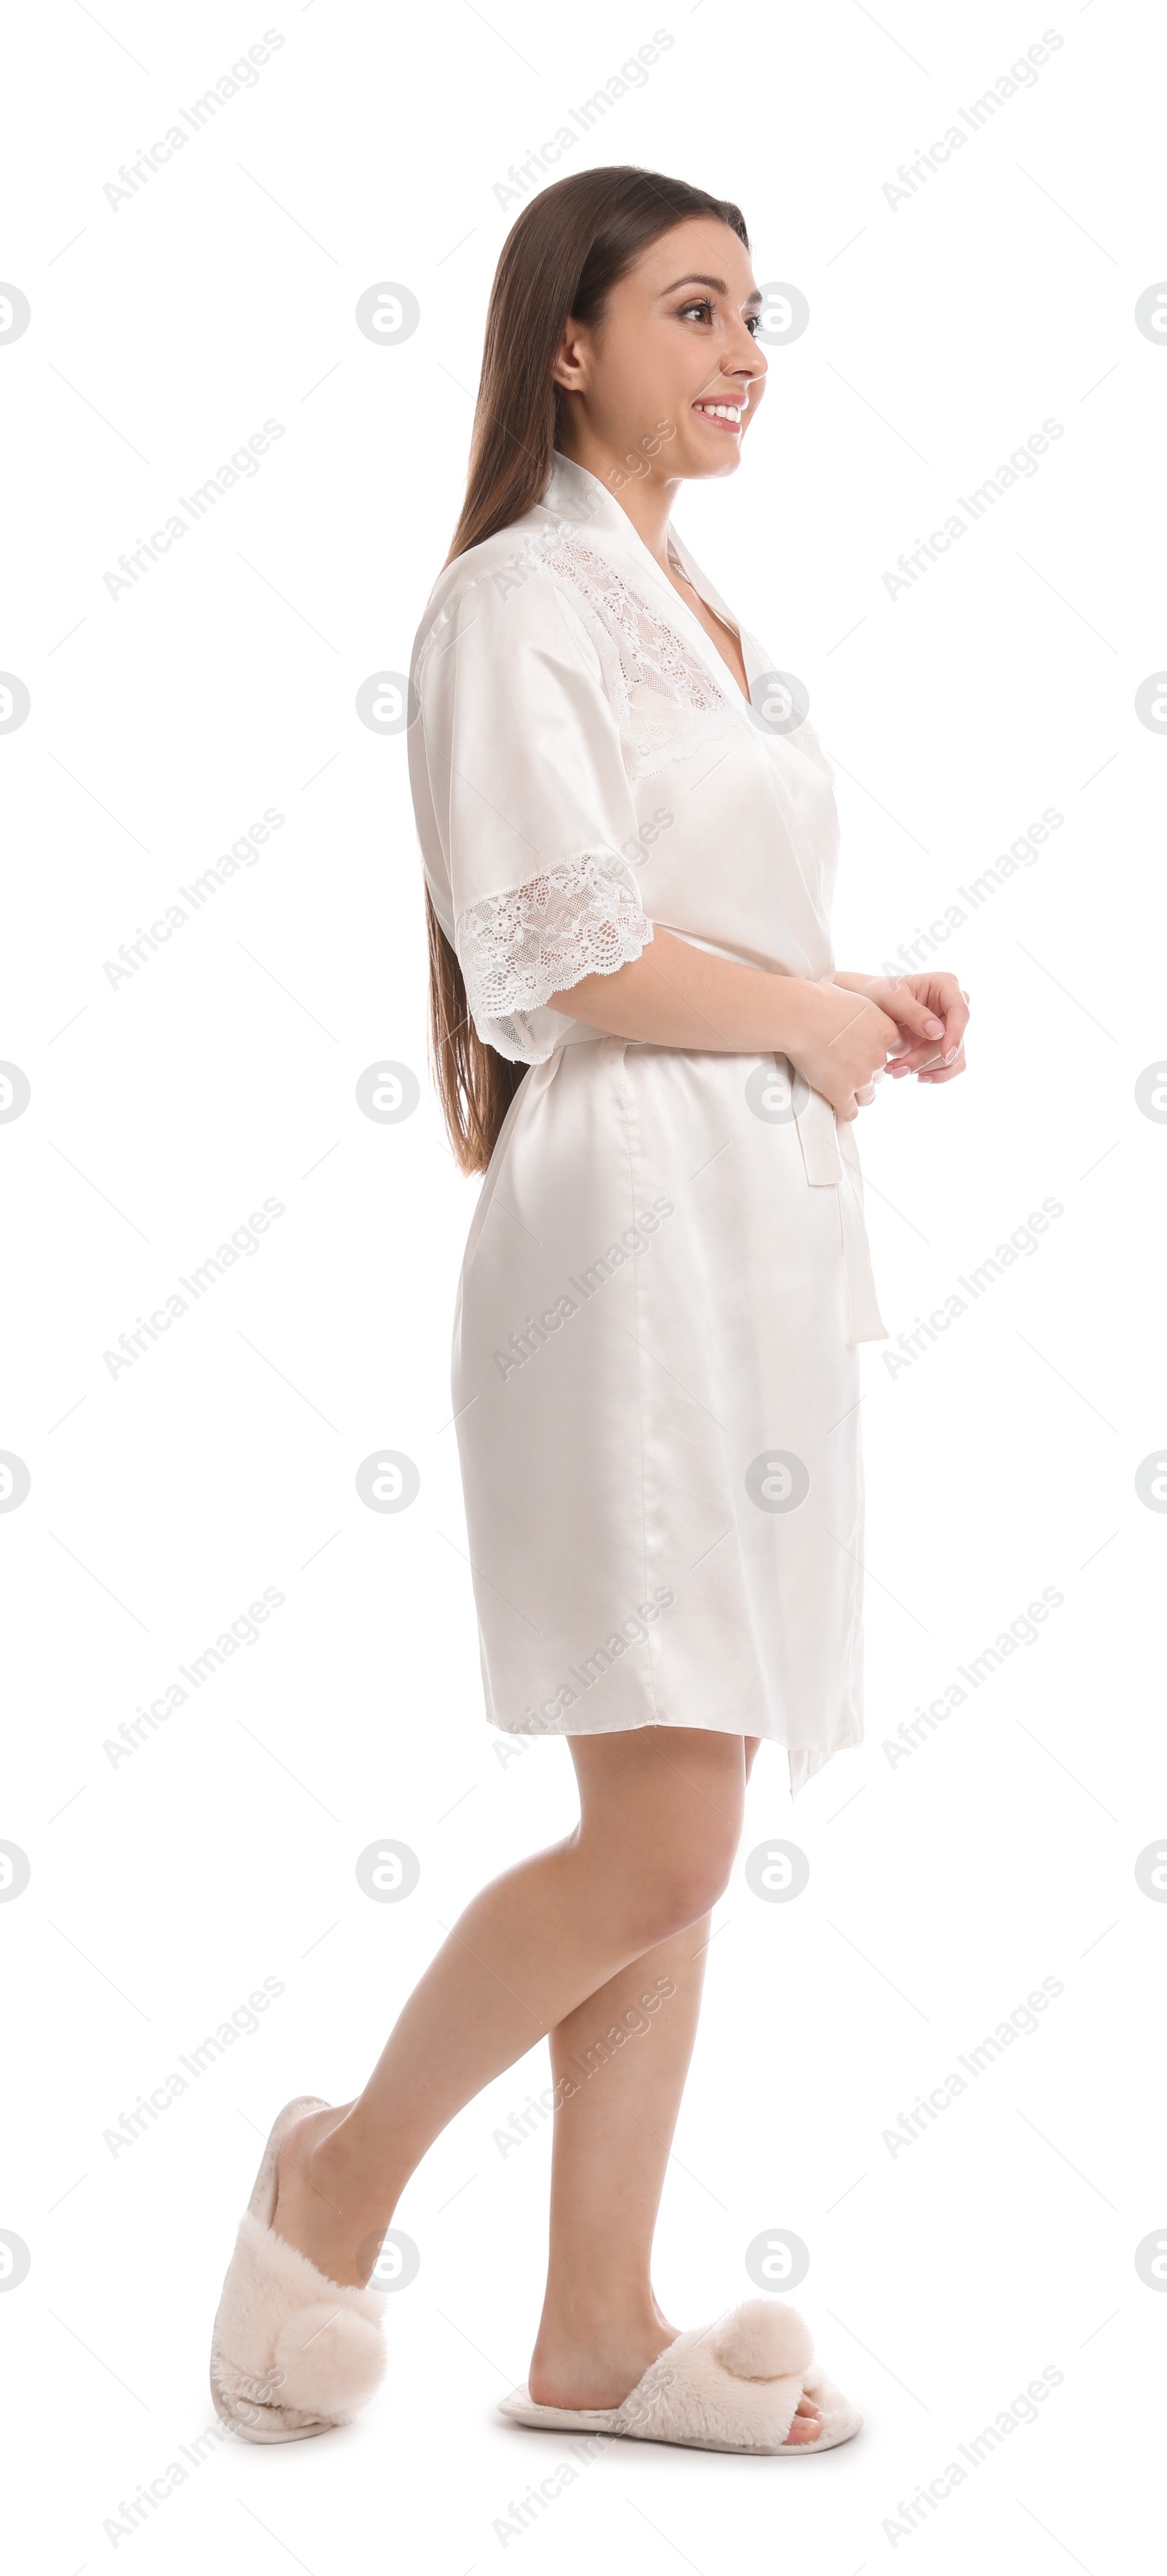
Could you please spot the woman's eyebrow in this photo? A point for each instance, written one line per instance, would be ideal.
(718, 283)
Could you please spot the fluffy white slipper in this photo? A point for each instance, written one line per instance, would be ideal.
(292, 2352)
(732, 2386)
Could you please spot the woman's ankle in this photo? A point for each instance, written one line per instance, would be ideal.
(594, 2359)
(346, 2167)
(593, 2317)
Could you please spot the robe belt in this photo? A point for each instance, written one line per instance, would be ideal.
(829, 1165)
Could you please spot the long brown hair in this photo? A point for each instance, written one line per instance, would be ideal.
(559, 263)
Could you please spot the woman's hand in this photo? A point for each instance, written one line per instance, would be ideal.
(840, 1039)
(931, 1014)
(840, 1031)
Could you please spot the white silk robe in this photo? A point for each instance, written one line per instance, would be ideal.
(655, 1376)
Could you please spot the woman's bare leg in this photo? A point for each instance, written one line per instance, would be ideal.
(620, 2061)
(660, 1818)
(617, 2100)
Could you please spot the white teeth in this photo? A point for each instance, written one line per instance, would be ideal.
(721, 411)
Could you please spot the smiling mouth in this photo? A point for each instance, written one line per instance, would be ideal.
(724, 415)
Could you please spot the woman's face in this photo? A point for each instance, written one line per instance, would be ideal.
(669, 382)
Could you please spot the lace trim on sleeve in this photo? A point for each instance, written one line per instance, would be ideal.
(580, 917)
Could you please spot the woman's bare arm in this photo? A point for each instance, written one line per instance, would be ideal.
(676, 995)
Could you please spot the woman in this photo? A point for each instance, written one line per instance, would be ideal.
(629, 842)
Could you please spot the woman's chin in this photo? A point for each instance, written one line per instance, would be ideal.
(707, 452)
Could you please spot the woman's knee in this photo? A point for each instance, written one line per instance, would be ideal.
(664, 1825)
(679, 1883)
(689, 1894)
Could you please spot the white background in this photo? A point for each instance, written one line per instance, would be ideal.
(944, 1885)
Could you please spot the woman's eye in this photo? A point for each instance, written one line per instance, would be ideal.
(703, 307)
(752, 321)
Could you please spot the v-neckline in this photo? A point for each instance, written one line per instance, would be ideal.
(706, 646)
(730, 625)
(633, 540)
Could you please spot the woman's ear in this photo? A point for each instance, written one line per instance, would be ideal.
(571, 363)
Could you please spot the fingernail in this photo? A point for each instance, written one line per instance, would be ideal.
(935, 1028)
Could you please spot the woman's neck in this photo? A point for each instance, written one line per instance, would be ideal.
(646, 499)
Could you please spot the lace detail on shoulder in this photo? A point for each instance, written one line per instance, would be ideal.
(667, 703)
(581, 917)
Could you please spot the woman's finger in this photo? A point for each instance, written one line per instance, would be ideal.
(948, 999)
(946, 1072)
(956, 1020)
(911, 1013)
(940, 1007)
(926, 1051)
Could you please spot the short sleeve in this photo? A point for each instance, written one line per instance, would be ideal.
(518, 772)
